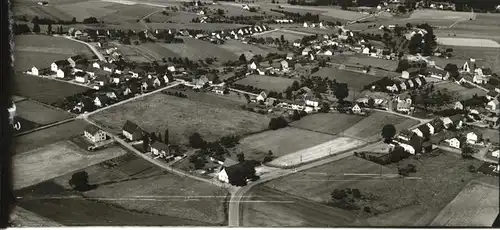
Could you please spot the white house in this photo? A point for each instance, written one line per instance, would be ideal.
(305, 25)
(284, 65)
(34, 71)
(159, 149)
(453, 142)
(471, 138)
(252, 66)
(356, 109)
(59, 65)
(405, 75)
(218, 90)
(458, 106)
(466, 67)
(366, 50)
(496, 153)
(492, 106)
(306, 51)
(328, 53)
(480, 79)
(81, 77)
(94, 134)
(60, 73)
(100, 101)
(222, 175)
(171, 68)
(262, 96)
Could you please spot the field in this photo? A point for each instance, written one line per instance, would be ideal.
(178, 26)
(47, 136)
(440, 15)
(327, 122)
(183, 117)
(173, 17)
(85, 9)
(476, 205)
(370, 128)
(332, 147)
(287, 34)
(230, 10)
(374, 62)
(40, 113)
(44, 90)
(25, 60)
(55, 160)
(462, 92)
(127, 13)
(442, 178)
(267, 207)
(470, 42)
(195, 49)
(278, 84)
(132, 192)
(354, 80)
(33, 9)
(248, 50)
(330, 12)
(487, 57)
(281, 142)
(45, 43)
(146, 52)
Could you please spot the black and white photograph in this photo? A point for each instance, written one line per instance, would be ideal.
(255, 113)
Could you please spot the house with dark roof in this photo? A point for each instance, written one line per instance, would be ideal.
(238, 174)
(75, 60)
(438, 73)
(101, 100)
(57, 65)
(132, 131)
(102, 79)
(94, 134)
(108, 67)
(81, 77)
(160, 149)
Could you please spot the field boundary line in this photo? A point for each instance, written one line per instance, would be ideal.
(45, 127)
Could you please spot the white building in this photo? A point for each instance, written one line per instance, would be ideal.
(94, 134)
(471, 138)
(33, 71)
(453, 142)
(60, 73)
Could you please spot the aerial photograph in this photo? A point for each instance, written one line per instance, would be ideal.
(255, 113)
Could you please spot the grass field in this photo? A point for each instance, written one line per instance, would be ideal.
(337, 145)
(374, 62)
(173, 17)
(327, 122)
(248, 50)
(132, 192)
(267, 207)
(476, 205)
(127, 13)
(290, 36)
(191, 48)
(45, 43)
(281, 142)
(440, 14)
(461, 92)
(354, 80)
(85, 9)
(55, 160)
(370, 128)
(24, 60)
(183, 117)
(44, 90)
(47, 136)
(146, 52)
(32, 9)
(442, 176)
(487, 57)
(278, 84)
(42, 114)
(229, 101)
(468, 42)
(327, 11)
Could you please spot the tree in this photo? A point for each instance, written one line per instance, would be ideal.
(167, 140)
(153, 137)
(80, 181)
(243, 59)
(36, 28)
(402, 9)
(73, 21)
(388, 132)
(472, 169)
(453, 70)
(241, 157)
(295, 85)
(49, 28)
(145, 143)
(247, 97)
(325, 108)
(467, 151)
(342, 92)
(403, 172)
(196, 141)
(277, 123)
(371, 103)
(159, 137)
(403, 65)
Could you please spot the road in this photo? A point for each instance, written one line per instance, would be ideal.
(234, 203)
(147, 16)
(94, 50)
(243, 92)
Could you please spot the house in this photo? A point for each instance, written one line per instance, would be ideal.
(427, 147)
(454, 142)
(284, 65)
(61, 64)
(458, 106)
(404, 105)
(160, 149)
(480, 79)
(245, 7)
(289, 56)
(102, 79)
(101, 100)
(466, 67)
(156, 82)
(306, 51)
(328, 53)
(218, 90)
(33, 71)
(356, 109)
(237, 174)
(491, 121)
(492, 106)
(81, 77)
(94, 134)
(496, 153)
(75, 59)
(438, 73)
(200, 82)
(457, 121)
(132, 131)
(437, 124)
(62, 73)
(492, 94)
(312, 101)
(471, 138)
(108, 67)
(252, 66)
(262, 96)
(411, 72)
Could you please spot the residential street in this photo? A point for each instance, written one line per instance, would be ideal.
(94, 50)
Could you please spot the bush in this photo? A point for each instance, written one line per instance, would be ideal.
(277, 123)
(356, 193)
(367, 209)
(472, 169)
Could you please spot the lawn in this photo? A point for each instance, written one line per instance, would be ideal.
(173, 17)
(327, 122)
(40, 113)
(354, 80)
(468, 42)
(442, 178)
(326, 11)
(266, 207)
(281, 142)
(25, 60)
(440, 14)
(476, 205)
(332, 147)
(248, 50)
(44, 90)
(182, 117)
(290, 36)
(460, 91)
(33, 9)
(126, 13)
(277, 84)
(85, 9)
(55, 160)
(45, 43)
(230, 101)
(130, 191)
(47, 136)
(195, 49)
(374, 62)
(370, 128)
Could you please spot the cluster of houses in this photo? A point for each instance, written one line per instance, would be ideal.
(135, 134)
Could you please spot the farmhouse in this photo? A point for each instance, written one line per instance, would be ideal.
(94, 134)
(356, 109)
(284, 65)
(61, 64)
(311, 100)
(160, 149)
(102, 79)
(492, 106)
(108, 67)
(306, 51)
(132, 131)
(458, 106)
(403, 105)
(218, 90)
(438, 73)
(480, 79)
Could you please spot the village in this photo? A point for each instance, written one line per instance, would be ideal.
(324, 91)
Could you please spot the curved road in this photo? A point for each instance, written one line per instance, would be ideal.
(94, 50)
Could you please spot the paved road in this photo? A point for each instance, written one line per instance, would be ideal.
(94, 50)
(234, 203)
